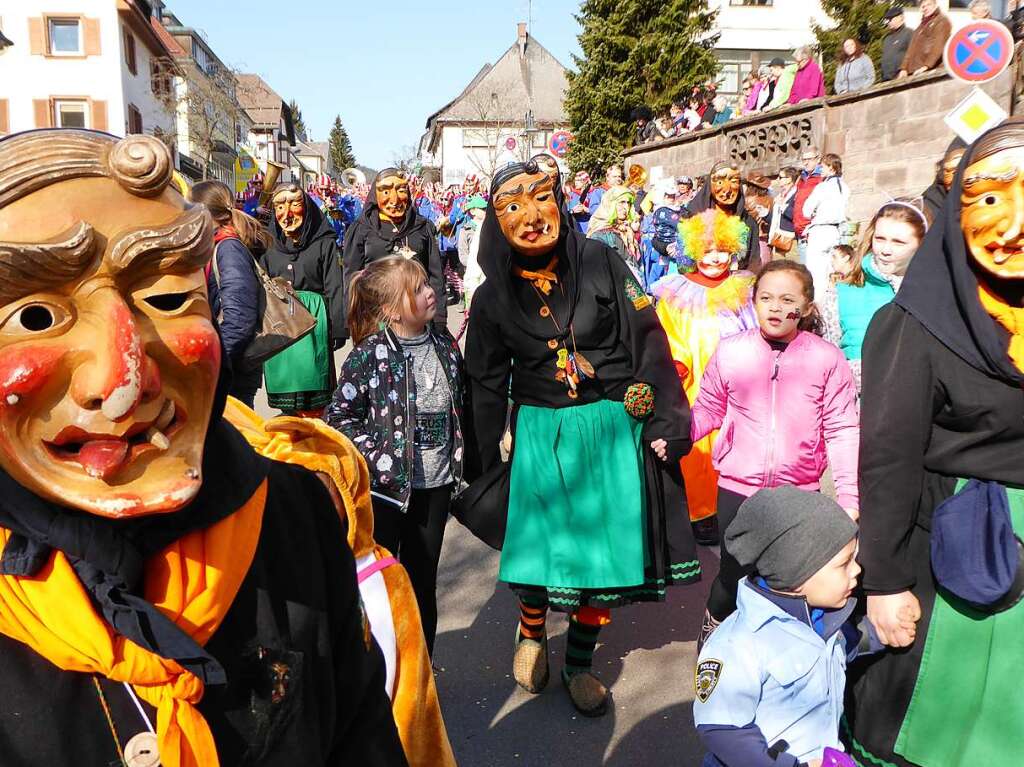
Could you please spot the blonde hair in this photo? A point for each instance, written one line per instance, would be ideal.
(377, 293)
(217, 198)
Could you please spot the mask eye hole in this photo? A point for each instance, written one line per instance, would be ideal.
(167, 302)
(990, 200)
(37, 318)
(512, 208)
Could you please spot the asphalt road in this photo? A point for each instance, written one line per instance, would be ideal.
(646, 656)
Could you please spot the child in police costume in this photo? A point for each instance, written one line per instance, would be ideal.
(770, 680)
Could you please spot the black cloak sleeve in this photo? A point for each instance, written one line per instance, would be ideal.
(901, 396)
(353, 255)
(435, 275)
(489, 368)
(641, 333)
(334, 289)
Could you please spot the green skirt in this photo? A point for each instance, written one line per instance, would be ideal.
(300, 375)
(967, 708)
(576, 499)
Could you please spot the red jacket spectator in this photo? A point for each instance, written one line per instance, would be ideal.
(808, 180)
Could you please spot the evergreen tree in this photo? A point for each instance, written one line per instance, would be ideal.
(340, 147)
(863, 20)
(635, 53)
(297, 121)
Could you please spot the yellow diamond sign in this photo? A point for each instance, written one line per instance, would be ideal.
(977, 113)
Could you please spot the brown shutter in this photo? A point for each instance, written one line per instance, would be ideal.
(5, 125)
(99, 115)
(43, 115)
(36, 37)
(91, 36)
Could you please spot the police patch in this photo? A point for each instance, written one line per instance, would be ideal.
(706, 678)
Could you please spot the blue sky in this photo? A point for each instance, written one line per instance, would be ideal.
(383, 65)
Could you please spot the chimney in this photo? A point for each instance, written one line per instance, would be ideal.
(521, 37)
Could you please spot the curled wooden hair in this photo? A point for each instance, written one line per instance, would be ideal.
(33, 160)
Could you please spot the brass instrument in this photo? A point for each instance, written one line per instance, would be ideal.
(353, 177)
(270, 181)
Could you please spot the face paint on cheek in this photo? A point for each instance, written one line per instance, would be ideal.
(793, 316)
(25, 370)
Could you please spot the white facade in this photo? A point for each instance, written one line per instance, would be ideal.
(90, 86)
(466, 150)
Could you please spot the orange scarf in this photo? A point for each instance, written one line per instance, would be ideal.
(1011, 318)
(193, 582)
(541, 278)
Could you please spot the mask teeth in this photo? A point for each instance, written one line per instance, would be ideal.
(166, 416)
(157, 438)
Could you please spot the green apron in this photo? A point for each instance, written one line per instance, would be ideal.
(576, 499)
(967, 708)
(305, 365)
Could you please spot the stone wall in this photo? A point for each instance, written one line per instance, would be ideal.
(889, 137)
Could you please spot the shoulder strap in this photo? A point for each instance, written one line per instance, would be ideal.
(213, 262)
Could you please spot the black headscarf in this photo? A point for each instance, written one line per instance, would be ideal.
(109, 555)
(314, 226)
(704, 200)
(371, 212)
(497, 258)
(935, 195)
(941, 287)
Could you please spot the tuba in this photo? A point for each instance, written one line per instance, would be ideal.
(353, 177)
(270, 181)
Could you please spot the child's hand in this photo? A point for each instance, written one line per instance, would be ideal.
(660, 448)
(894, 617)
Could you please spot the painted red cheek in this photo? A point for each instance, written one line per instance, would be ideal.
(196, 345)
(25, 369)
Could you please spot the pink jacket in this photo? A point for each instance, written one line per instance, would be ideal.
(783, 417)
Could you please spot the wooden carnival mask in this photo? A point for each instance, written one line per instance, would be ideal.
(725, 186)
(108, 357)
(992, 212)
(290, 210)
(528, 213)
(393, 196)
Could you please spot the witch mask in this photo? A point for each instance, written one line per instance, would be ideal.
(108, 356)
(992, 212)
(393, 196)
(527, 213)
(725, 186)
(290, 209)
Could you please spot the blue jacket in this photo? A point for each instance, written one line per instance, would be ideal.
(774, 670)
(235, 301)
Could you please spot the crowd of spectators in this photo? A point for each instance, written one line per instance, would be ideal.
(905, 52)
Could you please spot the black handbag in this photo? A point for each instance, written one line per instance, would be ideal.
(482, 507)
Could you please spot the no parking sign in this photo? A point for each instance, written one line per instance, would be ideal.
(979, 52)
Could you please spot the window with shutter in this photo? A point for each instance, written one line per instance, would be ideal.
(129, 51)
(64, 36)
(134, 119)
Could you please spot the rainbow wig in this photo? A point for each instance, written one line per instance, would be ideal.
(712, 230)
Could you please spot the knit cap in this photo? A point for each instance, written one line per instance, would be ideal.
(788, 534)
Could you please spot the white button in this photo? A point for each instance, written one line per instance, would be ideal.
(142, 751)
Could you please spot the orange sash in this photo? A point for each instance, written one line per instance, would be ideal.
(193, 582)
(1011, 318)
(541, 278)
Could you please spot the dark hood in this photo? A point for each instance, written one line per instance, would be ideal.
(941, 287)
(314, 227)
(702, 201)
(935, 195)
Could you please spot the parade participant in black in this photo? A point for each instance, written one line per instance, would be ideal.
(935, 195)
(300, 379)
(593, 516)
(389, 225)
(161, 601)
(942, 437)
(723, 189)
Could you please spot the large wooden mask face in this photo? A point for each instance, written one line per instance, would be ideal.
(393, 196)
(528, 214)
(725, 186)
(992, 213)
(108, 357)
(290, 210)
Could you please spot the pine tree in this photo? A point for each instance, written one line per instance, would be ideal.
(297, 121)
(863, 20)
(635, 53)
(342, 156)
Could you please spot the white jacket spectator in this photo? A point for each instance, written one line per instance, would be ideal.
(826, 210)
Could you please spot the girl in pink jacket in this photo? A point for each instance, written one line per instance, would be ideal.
(784, 403)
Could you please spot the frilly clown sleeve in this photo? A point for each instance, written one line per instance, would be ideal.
(383, 583)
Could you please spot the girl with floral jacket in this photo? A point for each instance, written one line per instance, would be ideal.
(400, 400)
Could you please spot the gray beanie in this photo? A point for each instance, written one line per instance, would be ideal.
(788, 534)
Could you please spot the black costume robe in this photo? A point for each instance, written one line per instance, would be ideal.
(369, 239)
(941, 400)
(298, 606)
(615, 328)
